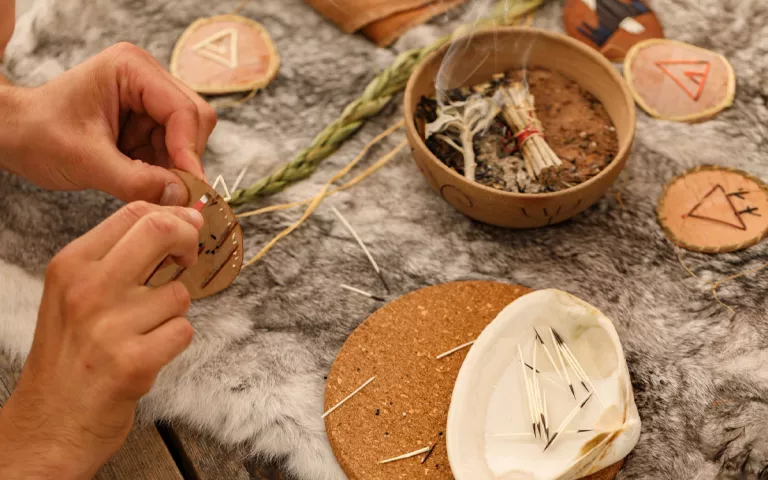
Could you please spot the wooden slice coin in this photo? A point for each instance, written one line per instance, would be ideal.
(714, 209)
(225, 54)
(611, 26)
(405, 407)
(220, 251)
(676, 81)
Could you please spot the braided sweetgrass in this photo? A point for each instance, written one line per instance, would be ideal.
(376, 96)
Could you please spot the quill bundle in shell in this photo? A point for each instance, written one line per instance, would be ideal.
(489, 400)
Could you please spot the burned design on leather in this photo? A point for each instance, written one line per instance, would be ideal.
(714, 209)
(225, 54)
(731, 217)
(220, 247)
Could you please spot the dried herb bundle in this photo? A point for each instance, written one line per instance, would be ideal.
(465, 119)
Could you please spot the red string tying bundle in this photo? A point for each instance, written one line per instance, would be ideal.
(522, 136)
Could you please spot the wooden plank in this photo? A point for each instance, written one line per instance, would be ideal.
(202, 458)
(144, 456)
(260, 470)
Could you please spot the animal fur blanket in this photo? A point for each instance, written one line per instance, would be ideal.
(254, 373)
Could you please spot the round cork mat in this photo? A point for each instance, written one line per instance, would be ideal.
(714, 210)
(220, 247)
(405, 407)
(676, 81)
(225, 54)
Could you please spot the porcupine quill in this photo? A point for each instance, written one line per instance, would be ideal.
(562, 343)
(567, 421)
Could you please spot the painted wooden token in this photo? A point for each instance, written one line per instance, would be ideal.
(714, 209)
(611, 26)
(676, 81)
(225, 54)
(220, 251)
(405, 407)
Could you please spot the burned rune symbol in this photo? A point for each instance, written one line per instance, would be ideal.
(750, 211)
(710, 208)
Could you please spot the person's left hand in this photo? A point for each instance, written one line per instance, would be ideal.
(114, 123)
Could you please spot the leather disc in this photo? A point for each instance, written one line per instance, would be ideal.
(611, 26)
(225, 54)
(714, 209)
(220, 251)
(676, 81)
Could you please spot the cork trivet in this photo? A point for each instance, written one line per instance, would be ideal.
(406, 407)
(225, 54)
(714, 209)
(611, 26)
(220, 251)
(676, 81)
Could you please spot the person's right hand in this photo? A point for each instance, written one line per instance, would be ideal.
(102, 336)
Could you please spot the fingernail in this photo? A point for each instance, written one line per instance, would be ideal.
(194, 217)
(172, 195)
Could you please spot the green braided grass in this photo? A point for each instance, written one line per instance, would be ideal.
(376, 96)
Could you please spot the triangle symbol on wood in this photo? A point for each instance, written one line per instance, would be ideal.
(716, 206)
(696, 72)
(221, 47)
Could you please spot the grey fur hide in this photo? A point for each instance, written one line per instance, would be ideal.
(254, 373)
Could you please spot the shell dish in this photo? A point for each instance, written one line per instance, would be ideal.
(490, 421)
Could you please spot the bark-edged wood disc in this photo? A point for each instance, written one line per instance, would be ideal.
(406, 407)
(714, 209)
(225, 54)
(220, 252)
(611, 26)
(677, 81)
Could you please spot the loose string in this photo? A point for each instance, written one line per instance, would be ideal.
(715, 285)
(234, 103)
(318, 199)
(239, 7)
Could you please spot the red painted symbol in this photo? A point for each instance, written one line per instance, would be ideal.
(201, 203)
(698, 78)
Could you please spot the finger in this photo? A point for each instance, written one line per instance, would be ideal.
(151, 307)
(134, 180)
(153, 238)
(144, 88)
(207, 113)
(165, 342)
(95, 244)
(136, 132)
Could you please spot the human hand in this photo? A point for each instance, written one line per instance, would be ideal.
(114, 123)
(102, 336)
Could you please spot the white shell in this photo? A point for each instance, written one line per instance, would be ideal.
(489, 398)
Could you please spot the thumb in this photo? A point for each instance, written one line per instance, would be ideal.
(132, 180)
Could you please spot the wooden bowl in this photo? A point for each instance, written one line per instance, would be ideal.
(499, 50)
